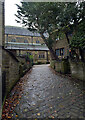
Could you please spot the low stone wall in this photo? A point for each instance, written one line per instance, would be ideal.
(52, 63)
(23, 68)
(10, 71)
(61, 66)
(78, 70)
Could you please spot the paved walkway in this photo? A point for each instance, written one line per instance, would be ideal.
(42, 93)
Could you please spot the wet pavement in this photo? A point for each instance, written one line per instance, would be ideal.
(42, 93)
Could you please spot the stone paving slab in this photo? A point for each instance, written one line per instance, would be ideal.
(46, 94)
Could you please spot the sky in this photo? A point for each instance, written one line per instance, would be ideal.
(10, 10)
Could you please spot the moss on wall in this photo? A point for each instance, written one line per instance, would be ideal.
(61, 66)
(78, 70)
(52, 63)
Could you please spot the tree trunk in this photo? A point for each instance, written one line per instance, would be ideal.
(52, 52)
(67, 39)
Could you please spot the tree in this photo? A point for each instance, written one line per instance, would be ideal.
(78, 40)
(74, 21)
(41, 17)
(51, 19)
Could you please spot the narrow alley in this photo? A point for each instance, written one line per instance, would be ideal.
(42, 93)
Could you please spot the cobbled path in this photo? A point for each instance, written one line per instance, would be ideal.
(47, 94)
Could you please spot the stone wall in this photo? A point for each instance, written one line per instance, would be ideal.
(61, 66)
(78, 70)
(10, 70)
(24, 66)
(52, 63)
(62, 43)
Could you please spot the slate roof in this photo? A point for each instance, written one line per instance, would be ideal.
(13, 30)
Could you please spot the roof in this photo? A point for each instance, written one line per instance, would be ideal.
(22, 46)
(13, 30)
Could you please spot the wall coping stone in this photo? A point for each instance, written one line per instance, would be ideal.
(11, 54)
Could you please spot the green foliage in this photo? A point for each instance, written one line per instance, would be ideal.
(31, 57)
(78, 40)
(53, 19)
(41, 17)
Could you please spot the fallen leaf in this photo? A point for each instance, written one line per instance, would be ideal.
(8, 117)
(25, 110)
(18, 102)
(38, 114)
(52, 116)
(55, 111)
(14, 105)
(3, 115)
(16, 115)
(61, 106)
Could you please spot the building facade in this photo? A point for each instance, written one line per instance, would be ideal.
(61, 47)
(22, 36)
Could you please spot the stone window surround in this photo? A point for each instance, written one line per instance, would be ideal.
(60, 51)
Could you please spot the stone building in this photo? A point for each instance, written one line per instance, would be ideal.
(61, 47)
(22, 36)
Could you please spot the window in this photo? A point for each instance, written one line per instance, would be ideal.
(37, 41)
(57, 52)
(25, 41)
(60, 52)
(13, 40)
(41, 56)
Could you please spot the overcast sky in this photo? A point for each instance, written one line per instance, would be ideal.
(10, 10)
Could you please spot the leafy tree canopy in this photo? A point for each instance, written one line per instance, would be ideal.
(50, 19)
(78, 40)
